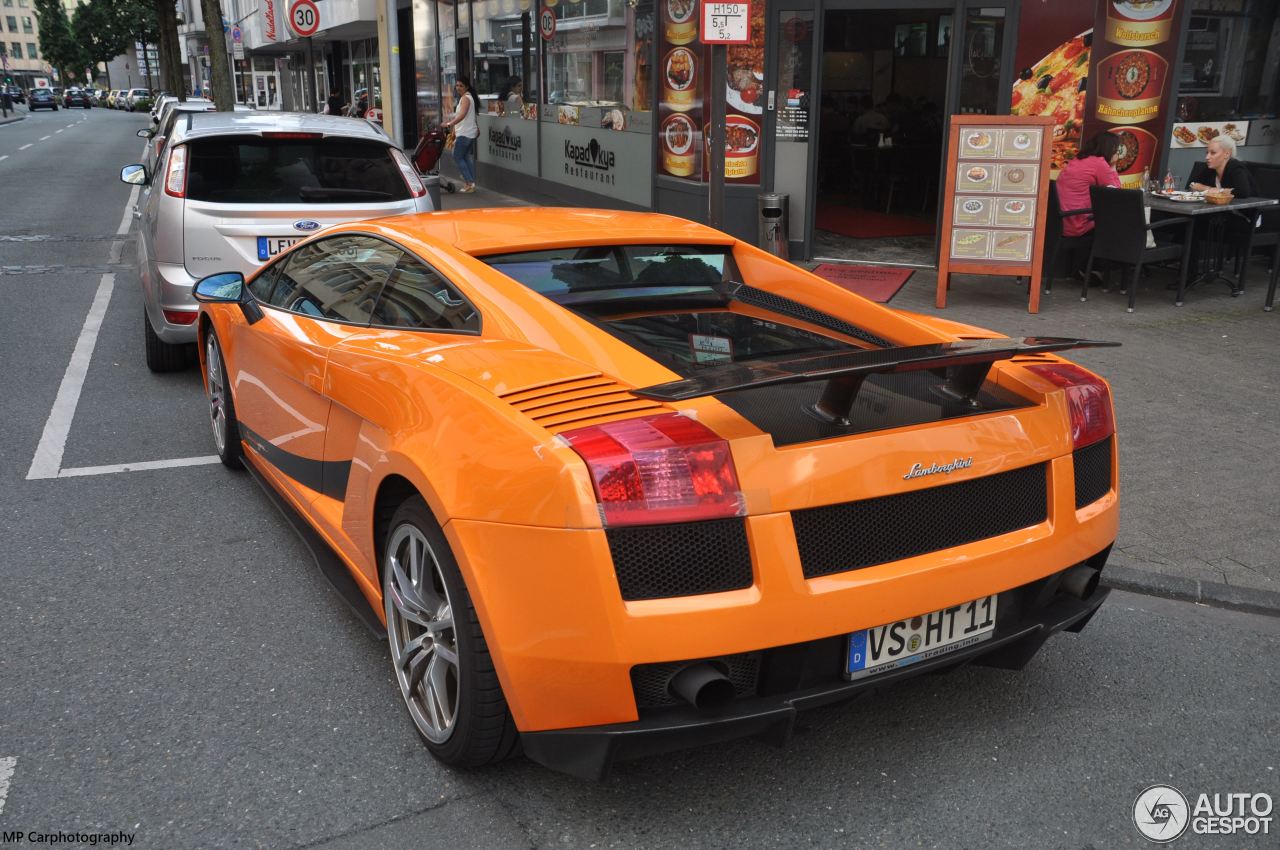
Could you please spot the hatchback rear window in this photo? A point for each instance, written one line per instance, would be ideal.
(255, 170)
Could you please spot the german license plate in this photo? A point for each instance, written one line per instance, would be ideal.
(895, 645)
(269, 246)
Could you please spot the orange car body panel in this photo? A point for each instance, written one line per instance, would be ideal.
(460, 417)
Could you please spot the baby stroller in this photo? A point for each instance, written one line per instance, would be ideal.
(426, 156)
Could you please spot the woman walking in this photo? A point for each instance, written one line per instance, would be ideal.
(465, 132)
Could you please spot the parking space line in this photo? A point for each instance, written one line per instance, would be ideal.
(110, 469)
(27, 145)
(7, 766)
(3, 158)
(45, 138)
(127, 218)
(59, 130)
(53, 442)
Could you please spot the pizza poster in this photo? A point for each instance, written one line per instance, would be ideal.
(1135, 59)
(684, 104)
(996, 186)
(1051, 71)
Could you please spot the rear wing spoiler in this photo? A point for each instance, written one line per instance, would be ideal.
(963, 364)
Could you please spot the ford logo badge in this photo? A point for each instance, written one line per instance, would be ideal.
(306, 225)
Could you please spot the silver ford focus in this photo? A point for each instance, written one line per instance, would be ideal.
(230, 190)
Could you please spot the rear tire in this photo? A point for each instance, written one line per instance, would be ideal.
(438, 652)
(162, 356)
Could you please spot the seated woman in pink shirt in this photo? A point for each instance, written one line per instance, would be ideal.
(1093, 166)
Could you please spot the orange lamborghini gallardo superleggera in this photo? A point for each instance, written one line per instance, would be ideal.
(616, 483)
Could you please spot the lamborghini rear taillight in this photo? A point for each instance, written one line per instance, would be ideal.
(411, 178)
(1088, 400)
(659, 469)
(175, 180)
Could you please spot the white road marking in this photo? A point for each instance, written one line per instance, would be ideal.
(53, 442)
(3, 158)
(6, 773)
(24, 147)
(127, 218)
(57, 131)
(45, 138)
(79, 471)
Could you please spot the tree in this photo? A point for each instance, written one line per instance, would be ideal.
(170, 53)
(101, 33)
(57, 43)
(219, 67)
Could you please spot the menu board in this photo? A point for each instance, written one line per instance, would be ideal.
(997, 187)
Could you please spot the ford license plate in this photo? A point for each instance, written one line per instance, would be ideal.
(895, 645)
(269, 246)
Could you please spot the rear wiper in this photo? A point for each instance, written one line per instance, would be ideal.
(316, 193)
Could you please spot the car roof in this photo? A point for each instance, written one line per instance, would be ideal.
(515, 229)
(254, 123)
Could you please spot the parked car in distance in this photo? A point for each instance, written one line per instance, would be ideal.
(16, 94)
(113, 97)
(135, 96)
(174, 112)
(730, 491)
(42, 99)
(231, 190)
(165, 102)
(77, 97)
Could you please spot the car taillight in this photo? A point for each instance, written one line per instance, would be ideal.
(180, 317)
(175, 181)
(271, 134)
(411, 178)
(1088, 401)
(659, 469)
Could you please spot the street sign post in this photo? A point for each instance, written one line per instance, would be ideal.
(722, 23)
(304, 18)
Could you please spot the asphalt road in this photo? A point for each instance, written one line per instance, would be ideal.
(172, 664)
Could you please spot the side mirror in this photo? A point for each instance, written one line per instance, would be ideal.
(135, 175)
(146, 134)
(223, 287)
(228, 288)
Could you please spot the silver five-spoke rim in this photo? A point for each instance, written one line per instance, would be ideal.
(424, 646)
(217, 394)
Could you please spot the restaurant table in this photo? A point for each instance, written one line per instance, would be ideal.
(1195, 209)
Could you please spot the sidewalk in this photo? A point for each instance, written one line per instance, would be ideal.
(1197, 394)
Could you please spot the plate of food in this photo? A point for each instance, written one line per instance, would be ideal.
(743, 91)
(1233, 131)
(1142, 10)
(1207, 134)
(1182, 197)
(1183, 136)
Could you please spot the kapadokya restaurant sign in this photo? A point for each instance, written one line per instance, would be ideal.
(1133, 89)
(509, 142)
(605, 162)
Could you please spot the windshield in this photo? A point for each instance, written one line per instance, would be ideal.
(252, 169)
(600, 274)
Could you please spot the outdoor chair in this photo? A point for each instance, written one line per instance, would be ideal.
(1056, 244)
(1120, 236)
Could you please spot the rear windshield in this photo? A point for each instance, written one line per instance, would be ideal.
(254, 170)
(599, 274)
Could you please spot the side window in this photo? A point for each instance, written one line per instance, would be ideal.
(265, 282)
(338, 278)
(416, 296)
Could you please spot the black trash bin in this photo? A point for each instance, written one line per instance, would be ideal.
(773, 224)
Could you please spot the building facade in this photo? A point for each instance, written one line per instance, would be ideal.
(20, 58)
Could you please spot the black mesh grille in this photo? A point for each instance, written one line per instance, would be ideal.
(1093, 472)
(650, 681)
(683, 559)
(786, 307)
(852, 535)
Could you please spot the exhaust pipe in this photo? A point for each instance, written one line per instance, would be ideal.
(703, 686)
(1080, 581)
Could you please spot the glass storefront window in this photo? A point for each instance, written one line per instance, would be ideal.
(1230, 61)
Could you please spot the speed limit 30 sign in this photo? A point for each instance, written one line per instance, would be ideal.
(304, 17)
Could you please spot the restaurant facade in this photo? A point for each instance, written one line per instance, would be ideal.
(838, 104)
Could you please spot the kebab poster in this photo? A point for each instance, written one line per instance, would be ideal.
(684, 106)
(1135, 60)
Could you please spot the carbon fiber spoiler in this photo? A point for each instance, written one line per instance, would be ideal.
(963, 364)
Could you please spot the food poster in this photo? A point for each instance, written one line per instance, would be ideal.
(1051, 68)
(1198, 134)
(1135, 57)
(971, 211)
(684, 111)
(970, 244)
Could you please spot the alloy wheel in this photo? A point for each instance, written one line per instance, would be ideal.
(420, 629)
(217, 393)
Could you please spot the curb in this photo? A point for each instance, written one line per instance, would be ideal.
(14, 120)
(1217, 594)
